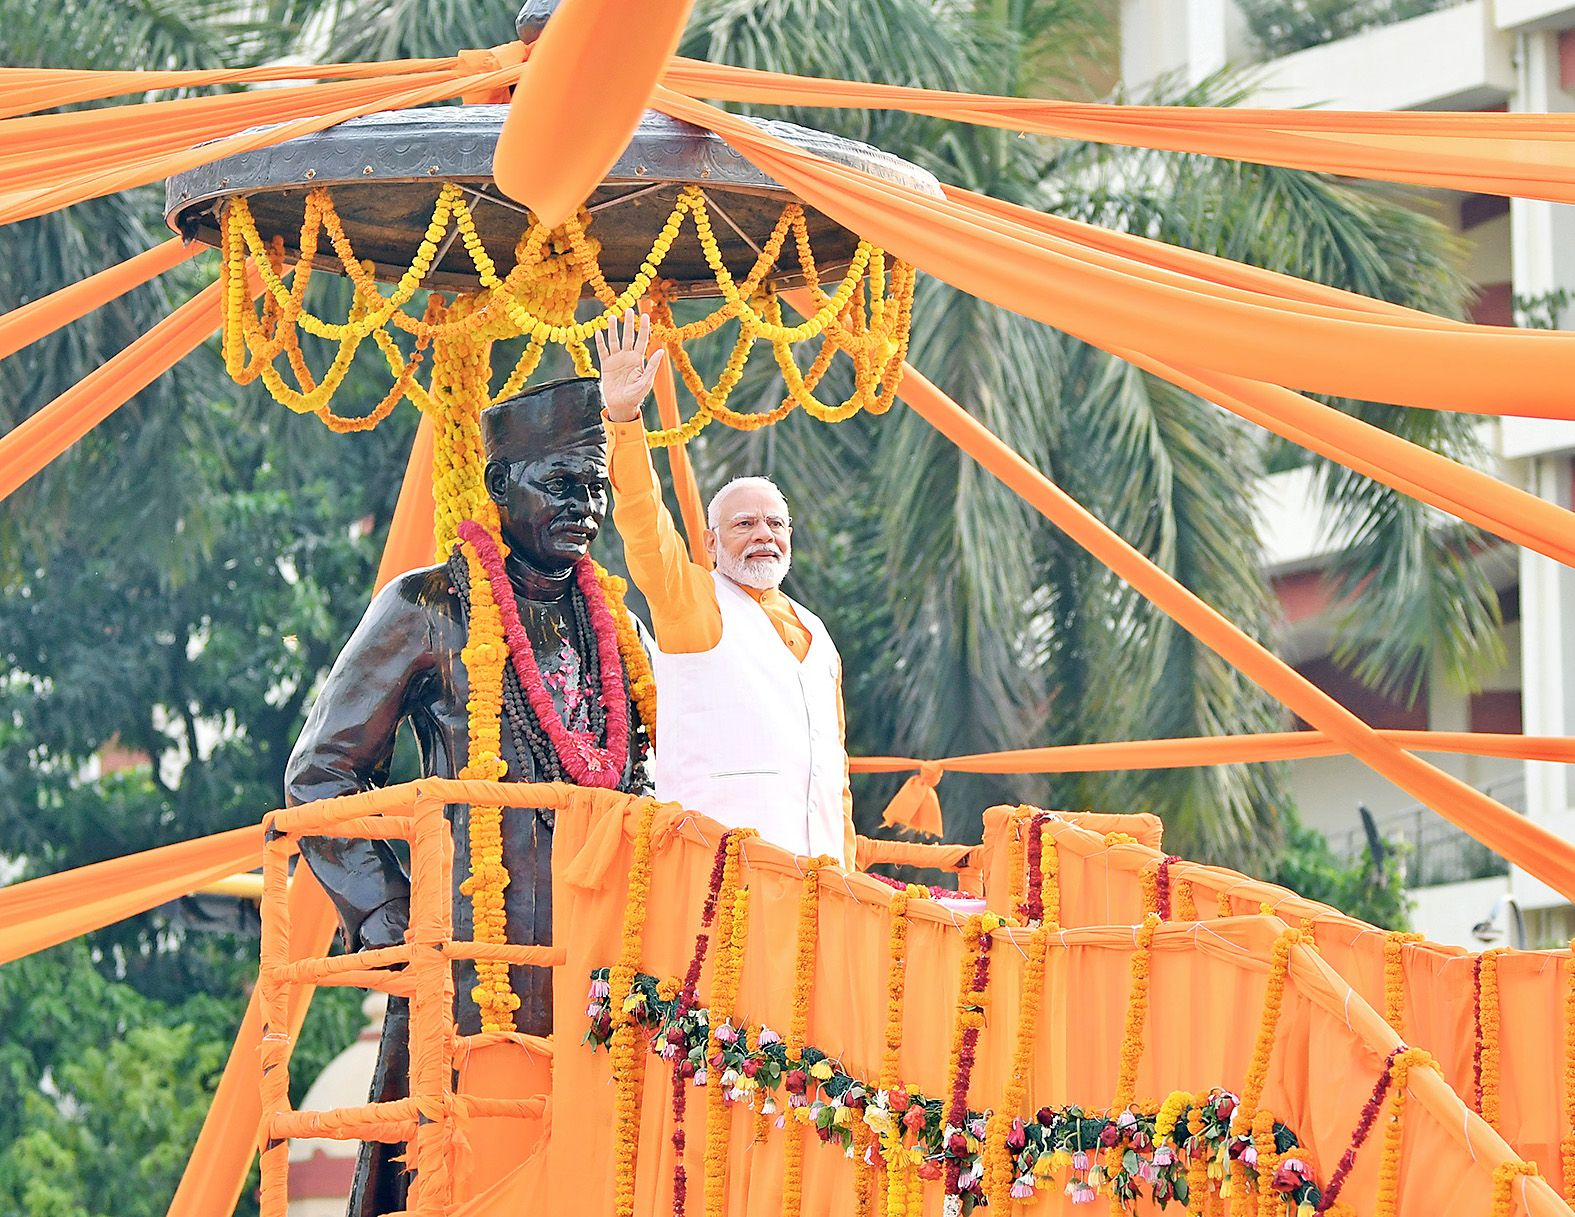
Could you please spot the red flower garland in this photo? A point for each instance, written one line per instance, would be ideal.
(1363, 1127)
(1476, 1034)
(582, 760)
(957, 1111)
(1162, 882)
(686, 1000)
(1034, 899)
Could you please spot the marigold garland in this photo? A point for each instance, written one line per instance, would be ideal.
(1394, 977)
(1137, 1011)
(732, 936)
(636, 663)
(1399, 1070)
(1222, 905)
(1504, 1176)
(683, 1067)
(622, 1003)
(1132, 1038)
(1186, 906)
(798, 1029)
(998, 1179)
(867, 316)
(1054, 1141)
(484, 655)
(1488, 1035)
(1148, 887)
(973, 982)
(1197, 1160)
(1567, 1142)
(1017, 859)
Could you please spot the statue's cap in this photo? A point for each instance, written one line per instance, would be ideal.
(563, 413)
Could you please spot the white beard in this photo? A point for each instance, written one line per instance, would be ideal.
(762, 574)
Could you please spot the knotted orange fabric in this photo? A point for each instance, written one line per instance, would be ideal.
(916, 804)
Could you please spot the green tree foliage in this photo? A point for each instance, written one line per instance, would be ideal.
(1283, 26)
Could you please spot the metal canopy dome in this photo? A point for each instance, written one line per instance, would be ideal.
(385, 171)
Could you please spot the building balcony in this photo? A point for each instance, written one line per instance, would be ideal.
(1457, 58)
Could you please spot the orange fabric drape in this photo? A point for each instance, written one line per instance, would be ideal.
(409, 544)
(1113, 302)
(33, 321)
(1545, 855)
(1463, 492)
(1207, 992)
(178, 155)
(41, 437)
(690, 505)
(217, 1168)
(38, 150)
(1222, 750)
(1100, 884)
(1529, 155)
(597, 60)
(43, 912)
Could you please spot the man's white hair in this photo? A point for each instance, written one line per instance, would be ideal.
(713, 512)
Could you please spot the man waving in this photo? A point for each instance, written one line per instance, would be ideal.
(749, 718)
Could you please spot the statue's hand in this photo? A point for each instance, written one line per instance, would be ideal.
(385, 925)
(626, 374)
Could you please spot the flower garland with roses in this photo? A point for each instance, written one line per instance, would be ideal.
(1160, 1143)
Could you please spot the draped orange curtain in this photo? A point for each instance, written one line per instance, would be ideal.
(1099, 884)
(1528, 155)
(596, 58)
(1113, 302)
(1206, 997)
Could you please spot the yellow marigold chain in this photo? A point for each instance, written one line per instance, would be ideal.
(537, 299)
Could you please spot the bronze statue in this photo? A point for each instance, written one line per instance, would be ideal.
(547, 472)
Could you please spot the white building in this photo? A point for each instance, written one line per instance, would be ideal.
(1516, 55)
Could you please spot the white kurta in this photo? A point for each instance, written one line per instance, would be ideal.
(748, 734)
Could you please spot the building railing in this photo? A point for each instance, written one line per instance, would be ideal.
(1435, 851)
(1282, 27)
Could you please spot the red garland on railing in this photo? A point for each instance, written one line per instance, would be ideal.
(1034, 898)
(1162, 880)
(683, 1067)
(1363, 1127)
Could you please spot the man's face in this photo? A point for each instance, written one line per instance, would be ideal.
(753, 539)
(551, 506)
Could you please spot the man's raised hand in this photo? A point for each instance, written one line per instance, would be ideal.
(627, 376)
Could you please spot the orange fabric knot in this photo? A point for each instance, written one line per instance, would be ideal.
(916, 805)
(474, 63)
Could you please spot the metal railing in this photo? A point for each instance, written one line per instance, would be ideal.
(1283, 27)
(1435, 851)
